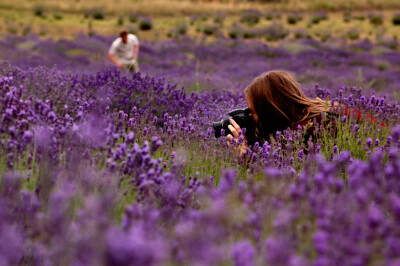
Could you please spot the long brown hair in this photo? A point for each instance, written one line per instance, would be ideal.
(280, 103)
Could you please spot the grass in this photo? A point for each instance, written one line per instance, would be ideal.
(74, 23)
(190, 7)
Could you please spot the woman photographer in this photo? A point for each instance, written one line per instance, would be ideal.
(276, 103)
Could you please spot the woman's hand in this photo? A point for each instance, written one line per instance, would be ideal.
(241, 140)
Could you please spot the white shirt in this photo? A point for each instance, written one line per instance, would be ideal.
(124, 51)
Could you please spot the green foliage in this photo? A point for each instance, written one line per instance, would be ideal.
(317, 18)
(132, 29)
(182, 29)
(249, 34)
(133, 17)
(293, 18)
(234, 32)
(57, 16)
(120, 21)
(360, 17)
(275, 32)
(323, 35)
(26, 30)
(376, 19)
(209, 30)
(219, 17)
(269, 16)
(353, 34)
(347, 16)
(250, 17)
(396, 19)
(382, 65)
(38, 11)
(12, 29)
(300, 33)
(145, 24)
(98, 14)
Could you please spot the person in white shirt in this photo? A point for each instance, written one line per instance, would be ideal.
(124, 52)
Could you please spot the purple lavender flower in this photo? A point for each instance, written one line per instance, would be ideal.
(243, 253)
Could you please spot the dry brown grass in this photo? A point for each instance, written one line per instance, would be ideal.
(190, 7)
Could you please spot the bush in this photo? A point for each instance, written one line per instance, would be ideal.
(209, 30)
(182, 29)
(323, 35)
(26, 30)
(388, 43)
(347, 16)
(353, 34)
(120, 21)
(359, 17)
(57, 16)
(250, 17)
(318, 17)
(145, 23)
(219, 17)
(300, 34)
(98, 14)
(396, 19)
(249, 34)
(269, 16)
(132, 29)
(376, 19)
(12, 29)
(275, 32)
(133, 17)
(293, 18)
(38, 11)
(382, 65)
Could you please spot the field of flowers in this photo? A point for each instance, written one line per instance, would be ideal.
(99, 167)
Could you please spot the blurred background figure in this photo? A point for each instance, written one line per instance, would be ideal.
(124, 52)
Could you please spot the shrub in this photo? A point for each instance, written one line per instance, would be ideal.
(269, 16)
(293, 18)
(12, 29)
(300, 34)
(145, 23)
(382, 65)
(250, 17)
(359, 17)
(275, 32)
(173, 33)
(219, 17)
(347, 16)
(26, 30)
(323, 35)
(318, 17)
(388, 43)
(193, 19)
(38, 11)
(353, 34)
(120, 21)
(396, 19)
(235, 32)
(57, 16)
(132, 29)
(182, 29)
(133, 17)
(209, 30)
(249, 34)
(376, 19)
(98, 14)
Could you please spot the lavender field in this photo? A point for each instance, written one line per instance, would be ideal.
(103, 167)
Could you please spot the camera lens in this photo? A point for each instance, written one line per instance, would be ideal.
(223, 124)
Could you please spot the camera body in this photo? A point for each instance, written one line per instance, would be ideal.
(241, 117)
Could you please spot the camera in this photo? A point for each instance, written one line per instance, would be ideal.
(242, 118)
